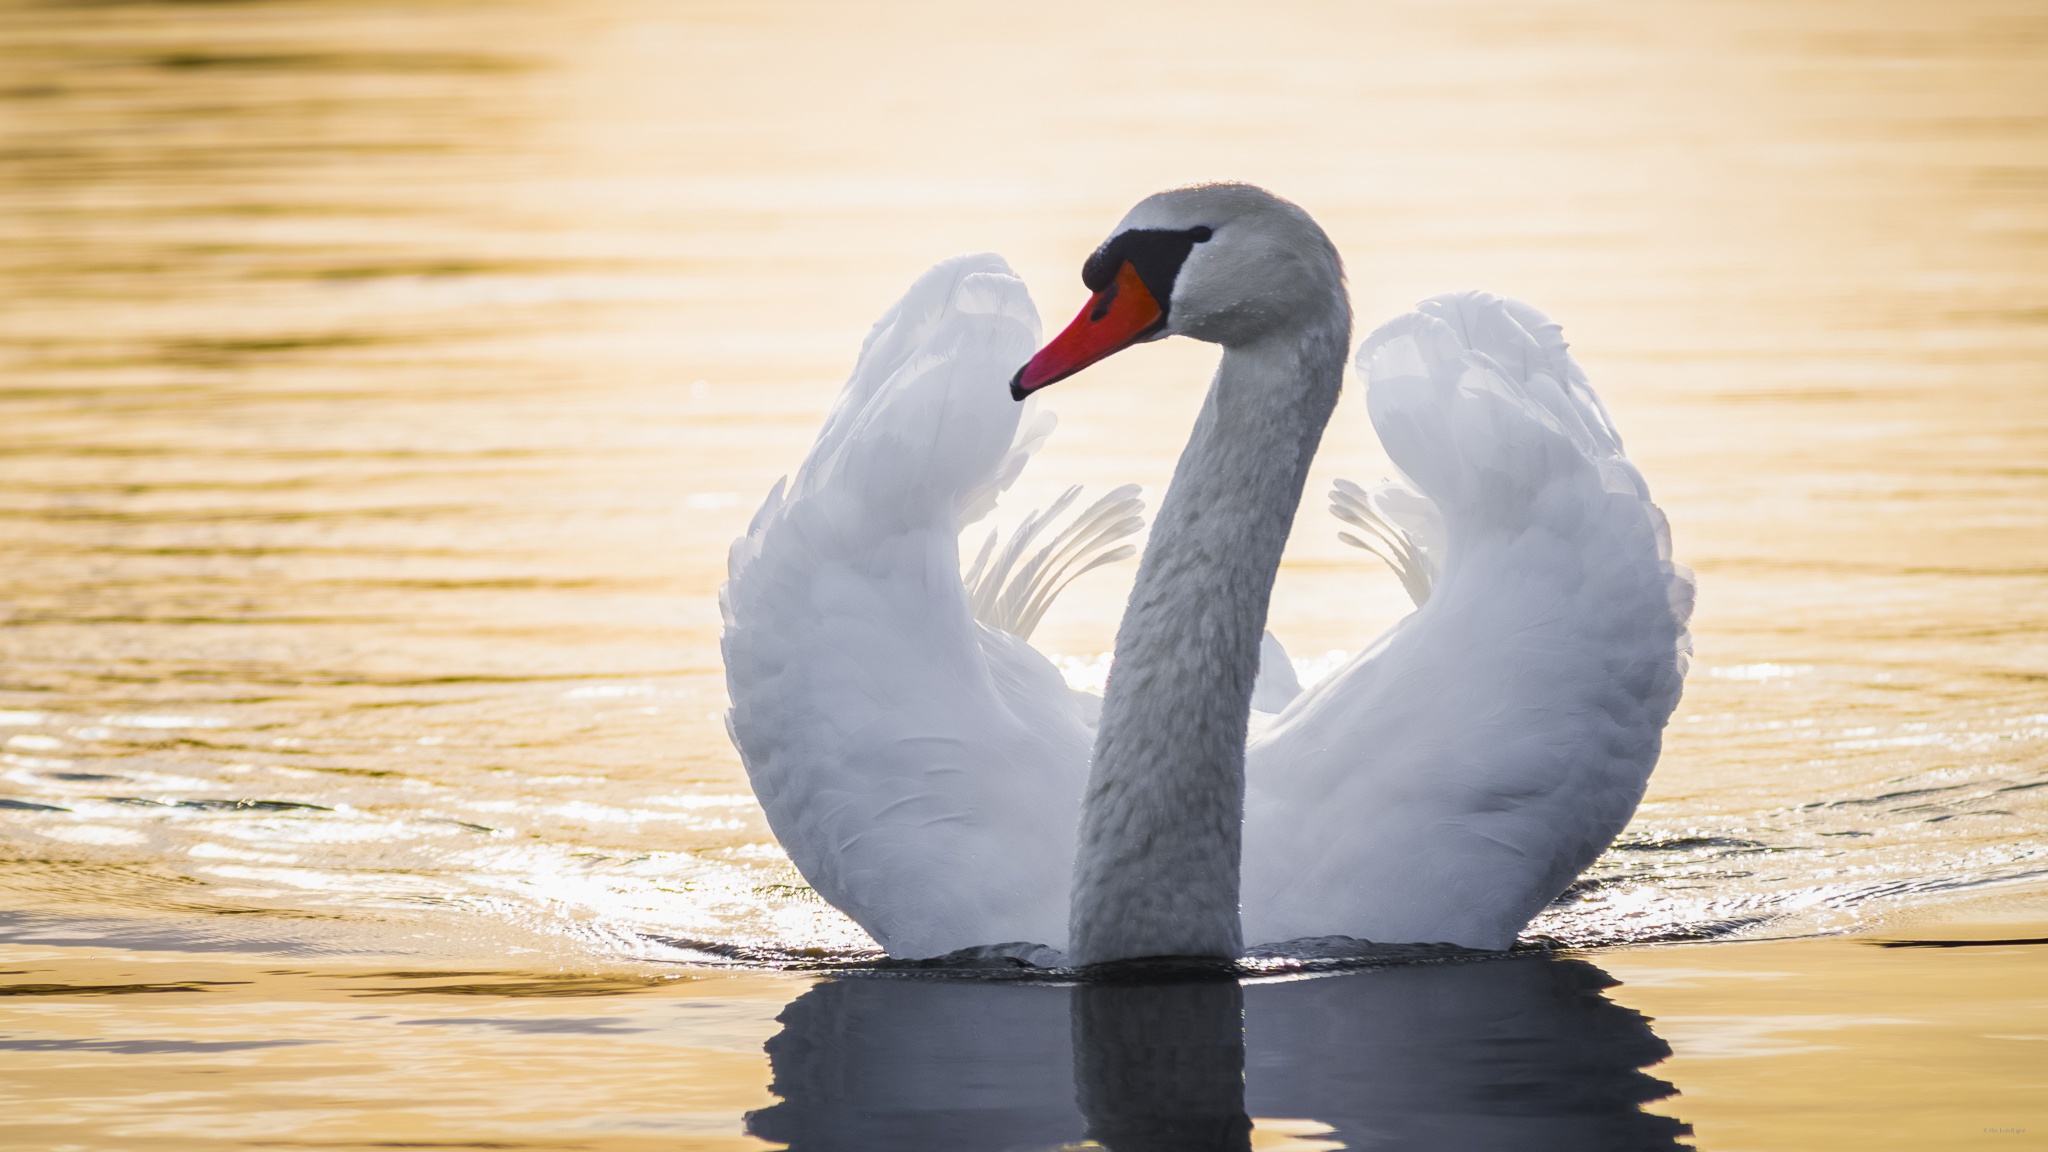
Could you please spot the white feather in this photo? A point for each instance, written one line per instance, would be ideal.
(1403, 528)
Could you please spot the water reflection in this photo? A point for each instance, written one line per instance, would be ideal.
(1522, 1053)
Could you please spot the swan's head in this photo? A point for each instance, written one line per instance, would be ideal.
(1231, 264)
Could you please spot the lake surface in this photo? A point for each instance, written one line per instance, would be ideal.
(382, 384)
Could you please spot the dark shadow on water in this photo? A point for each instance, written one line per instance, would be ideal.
(1517, 1053)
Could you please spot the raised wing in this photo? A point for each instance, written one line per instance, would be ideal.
(922, 768)
(1457, 774)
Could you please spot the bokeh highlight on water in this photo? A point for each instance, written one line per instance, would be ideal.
(383, 384)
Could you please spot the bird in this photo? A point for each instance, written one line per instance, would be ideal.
(931, 775)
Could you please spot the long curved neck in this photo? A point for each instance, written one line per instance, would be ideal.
(1156, 871)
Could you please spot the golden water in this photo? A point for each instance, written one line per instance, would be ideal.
(382, 383)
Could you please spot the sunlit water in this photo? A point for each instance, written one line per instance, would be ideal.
(382, 385)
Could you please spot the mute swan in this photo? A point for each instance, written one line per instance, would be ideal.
(930, 774)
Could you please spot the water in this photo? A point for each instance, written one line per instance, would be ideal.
(382, 385)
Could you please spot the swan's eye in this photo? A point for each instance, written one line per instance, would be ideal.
(1200, 233)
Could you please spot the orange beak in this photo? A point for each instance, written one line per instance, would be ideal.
(1117, 317)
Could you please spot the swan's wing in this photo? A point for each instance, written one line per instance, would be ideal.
(922, 769)
(1457, 774)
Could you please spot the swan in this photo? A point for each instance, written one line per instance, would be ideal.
(931, 775)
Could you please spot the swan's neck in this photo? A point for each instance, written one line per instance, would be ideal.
(1156, 872)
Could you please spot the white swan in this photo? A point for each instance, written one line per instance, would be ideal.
(926, 771)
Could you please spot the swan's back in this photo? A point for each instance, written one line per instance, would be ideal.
(922, 770)
(1456, 776)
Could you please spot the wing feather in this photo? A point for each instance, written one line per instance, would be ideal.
(1456, 775)
(922, 769)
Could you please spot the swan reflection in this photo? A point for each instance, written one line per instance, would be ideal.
(1522, 1053)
